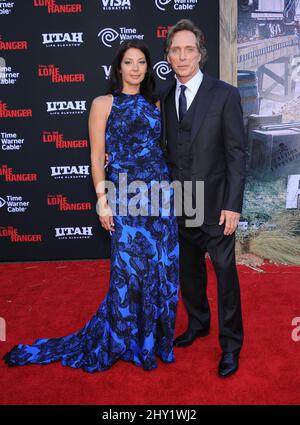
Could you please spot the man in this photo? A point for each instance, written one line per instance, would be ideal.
(203, 139)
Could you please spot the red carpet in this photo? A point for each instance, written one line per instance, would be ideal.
(40, 300)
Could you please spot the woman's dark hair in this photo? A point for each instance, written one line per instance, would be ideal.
(147, 87)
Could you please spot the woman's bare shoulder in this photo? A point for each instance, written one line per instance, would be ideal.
(101, 101)
(102, 104)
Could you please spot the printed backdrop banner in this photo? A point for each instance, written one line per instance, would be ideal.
(54, 59)
(268, 62)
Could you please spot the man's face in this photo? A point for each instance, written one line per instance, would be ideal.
(184, 56)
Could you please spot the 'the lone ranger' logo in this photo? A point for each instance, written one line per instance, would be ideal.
(13, 234)
(162, 31)
(14, 113)
(61, 143)
(9, 175)
(56, 76)
(52, 7)
(13, 45)
(62, 203)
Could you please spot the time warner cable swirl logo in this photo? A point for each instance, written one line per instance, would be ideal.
(161, 3)
(2, 202)
(109, 35)
(162, 69)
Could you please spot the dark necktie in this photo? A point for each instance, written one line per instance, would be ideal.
(182, 102)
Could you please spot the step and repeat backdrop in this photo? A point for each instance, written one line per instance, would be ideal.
(54, 59)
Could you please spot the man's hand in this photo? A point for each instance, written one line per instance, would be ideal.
(231, 220)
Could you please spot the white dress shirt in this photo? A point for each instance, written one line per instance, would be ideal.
(192, 87)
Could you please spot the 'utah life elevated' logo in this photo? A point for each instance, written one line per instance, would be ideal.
(62, 39)
(66, 107)
(70, 171)
(83, 232)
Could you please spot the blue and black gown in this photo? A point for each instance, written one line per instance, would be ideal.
(136, 319)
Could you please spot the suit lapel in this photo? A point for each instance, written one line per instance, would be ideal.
(163, 110)
(204, 99)
(168, 89)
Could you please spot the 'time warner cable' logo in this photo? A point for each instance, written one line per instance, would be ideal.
(12, 233)
(63, 204)
(10, 176)
(58, 8)
(56, 77)
(13, 45)
(60, 143)
(13, 113)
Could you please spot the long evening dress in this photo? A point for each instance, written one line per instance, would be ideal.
(135, 322)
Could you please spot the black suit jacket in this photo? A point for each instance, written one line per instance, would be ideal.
(217, 147)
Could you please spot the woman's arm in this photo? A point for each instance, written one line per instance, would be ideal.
(98, 116)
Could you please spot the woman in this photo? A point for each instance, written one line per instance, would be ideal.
(135, 322)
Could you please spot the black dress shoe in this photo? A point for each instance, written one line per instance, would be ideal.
(229, 364)
(188, 337)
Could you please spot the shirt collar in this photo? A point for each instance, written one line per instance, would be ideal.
(193, 84)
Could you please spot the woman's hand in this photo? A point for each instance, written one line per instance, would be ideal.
(106, 216)
(106, 160)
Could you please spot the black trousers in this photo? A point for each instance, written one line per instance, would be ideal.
(194, 242)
